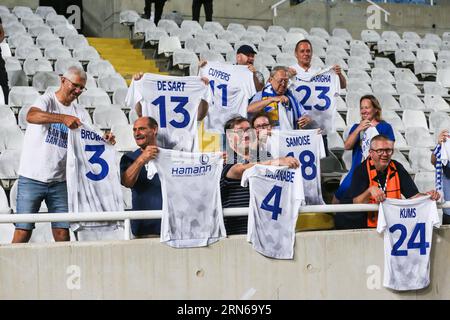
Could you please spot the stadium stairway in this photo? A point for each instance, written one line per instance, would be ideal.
(125, 59)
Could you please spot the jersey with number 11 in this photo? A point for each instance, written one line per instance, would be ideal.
(306, 146)
(408, 231)
(173, 102)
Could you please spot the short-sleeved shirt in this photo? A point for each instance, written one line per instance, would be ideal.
(360, 181)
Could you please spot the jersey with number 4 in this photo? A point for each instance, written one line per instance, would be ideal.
(232, 87)
(317, 94)
(192, 208)
(408, 230)
(93, 178)
(276, 194)
(306, 146)
(173, 102)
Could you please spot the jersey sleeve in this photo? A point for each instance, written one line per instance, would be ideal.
(246, 175)
(134, 94)
(435, 221)
(381, 225)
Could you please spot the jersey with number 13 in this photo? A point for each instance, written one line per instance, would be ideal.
(173, 102)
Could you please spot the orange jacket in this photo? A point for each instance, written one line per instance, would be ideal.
(391, 189)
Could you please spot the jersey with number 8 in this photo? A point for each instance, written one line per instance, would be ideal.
(408, 230)
(173, 102)
(306, 146)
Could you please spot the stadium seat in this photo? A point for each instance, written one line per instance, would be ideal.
(270, 48)
(382, 87)
(335, 141)
(386, 46)
(432, 37)
(28, 52)
(90, 82)
(19, 96)
(210, 55)
(419, 137)
(331, 60)
(338, 51)
(358, 62)
(393, 119)
(22, 116)
(420, 159)
(99, 68)
(293, 38)
(406, 87)
(106, 116)
(129, 17)
(48, 40)
(380, 74)
(153, 35)
(132, 116)
(86, 54)
(411, 36)
(57, 52)
(141, 25)
(7, 116)
(184, 58)
(443, 63)
(426, 55)
(213, 27)
(408, 45)
(223, 47)
(280, 30)
(317, 62)
(404, 57)
(298, 30)
(43, 80)
(229, 36)
(111, 82)
(205, 36)
(14, 29)
(127, 199)
(75, 41)
(414, 118)
(434, 88)
(257, 29)
(62, 65)
(340, 104)
(400, 141)
(353, 116)
(384, 63)
(236, 28)
(251, 38)
(63, 31)
(339, 122)
(342, 33)
(44, 11)
(22, 11)
(9, 166)
(119, 96)
(94, 97)
(347, 159)
(443, 77)
(265, 60)
(358, 86)
(424, 69)
(31, 22)
(435, 103)
(426, 44)
(40, 30)
(445, 54)
(191, 27)
(11, 138)
(124, 138)
(56, 21)
(182, 36)
(319, 32)
(398, 156)
(286, 59)
(405, 74)
(438, 121)
(168, 25)
(167, 45)
(425, 181)
(31, 66)
(391, 35)
(20, 40)
(195, 45)
(336, 41)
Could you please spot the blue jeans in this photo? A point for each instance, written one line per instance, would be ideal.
(31, 193)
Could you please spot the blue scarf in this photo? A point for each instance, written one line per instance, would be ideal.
(437, 153)
(294, 105)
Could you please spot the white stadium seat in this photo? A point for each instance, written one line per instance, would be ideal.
(425, 181)
(107, 116)
(381, 74)
(406, 87)
(183, 58)
(128, 17)
(393, 119)
(414, 118)
(94, 97)
(31, 66)
(19, 96)
(405, 74)
(43, 80)
(419, 137)
(434, 88)
(167, 45)
(7, 117)
(213, 27)
(435, 103)
(62, 65)
(438, 121)
(420, 159)
(111, 82)
(99, 68)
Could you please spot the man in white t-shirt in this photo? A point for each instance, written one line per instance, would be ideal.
(42, 170)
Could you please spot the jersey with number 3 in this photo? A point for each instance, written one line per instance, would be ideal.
(408, 230)
(232, 87)
(93, 178)
(306, 146)
(173, 102)
(276, 194)
(317, 94)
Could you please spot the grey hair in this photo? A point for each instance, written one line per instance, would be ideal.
(75, 71)
(274, 70)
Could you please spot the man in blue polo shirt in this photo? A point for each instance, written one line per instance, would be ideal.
(146, 194)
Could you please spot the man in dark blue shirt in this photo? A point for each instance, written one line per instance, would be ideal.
(146, 194)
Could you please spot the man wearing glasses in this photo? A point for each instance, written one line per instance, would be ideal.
(42, 170)
(378, 178)
(279, 103)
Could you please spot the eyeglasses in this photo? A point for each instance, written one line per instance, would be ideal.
(381, 151)
(263, 126)
(281, 81)
(76, 85)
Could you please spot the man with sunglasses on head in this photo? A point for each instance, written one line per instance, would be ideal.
(377, 178)
(42, 170)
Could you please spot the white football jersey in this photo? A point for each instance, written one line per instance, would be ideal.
(445, 152)
(232, 87)
(192, 208)
(306, 146)
(317, 94)
(93, 176)
(276, 194)
(408, 230)
(366, 138)
(173, 102)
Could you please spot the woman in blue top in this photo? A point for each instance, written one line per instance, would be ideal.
(359, 138)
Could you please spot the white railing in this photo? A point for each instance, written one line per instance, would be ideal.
(276, 5)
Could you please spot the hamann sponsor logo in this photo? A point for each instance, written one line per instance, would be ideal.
(407, 212)
(191, 171)
(281, 175)
(322, 78)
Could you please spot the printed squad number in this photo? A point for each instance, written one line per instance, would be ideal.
(224, 89)
(419, 230)
(307, 160)
(181, 103)
(95, 159)
(324, 99)
(275, 194)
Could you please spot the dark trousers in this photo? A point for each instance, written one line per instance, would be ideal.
(4, 79)
(445, 219)
(208, 6)
(159, 7)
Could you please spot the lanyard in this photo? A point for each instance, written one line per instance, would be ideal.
(385, 183)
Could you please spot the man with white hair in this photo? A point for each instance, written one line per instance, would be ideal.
(42, 171)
